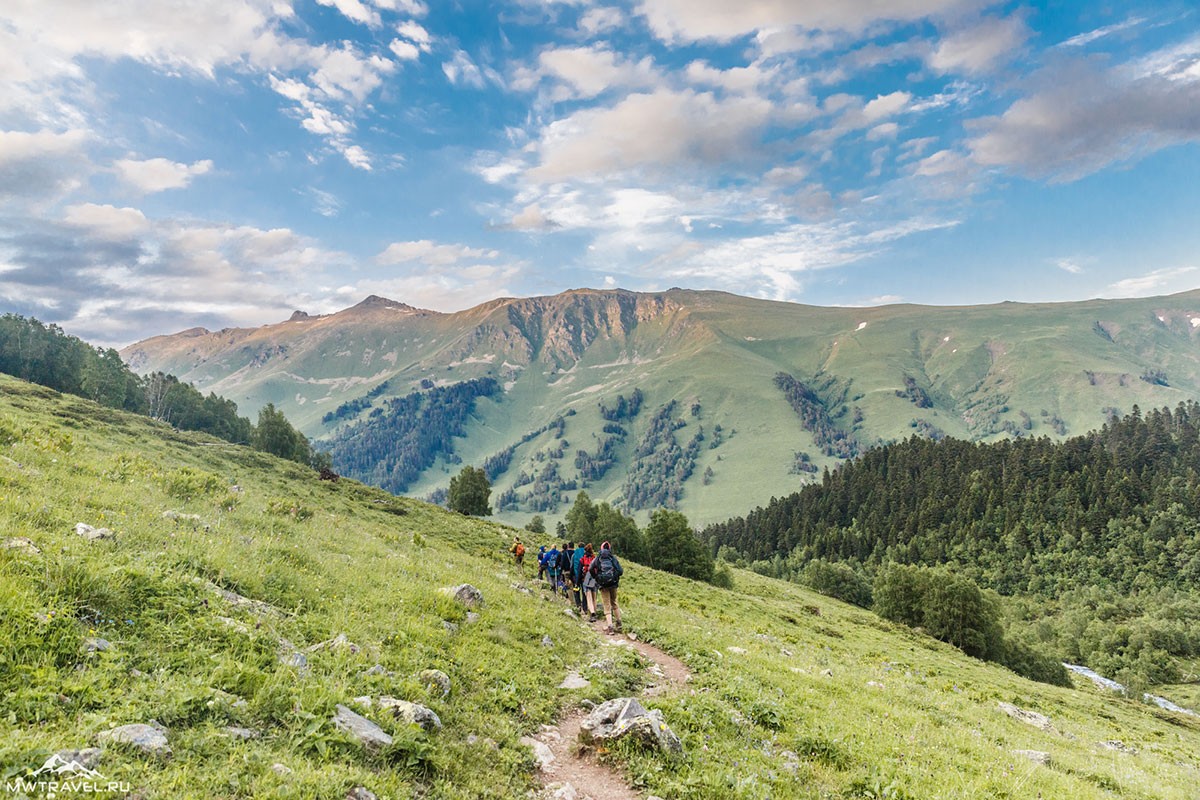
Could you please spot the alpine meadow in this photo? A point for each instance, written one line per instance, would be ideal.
(599, 400)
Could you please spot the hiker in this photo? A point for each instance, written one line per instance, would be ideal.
(541, 562)
(607, 571)
(551, 562)
(589, 581)
(518, 551)
(577, 576)
(564, 568)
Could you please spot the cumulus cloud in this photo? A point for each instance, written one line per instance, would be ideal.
(979, 47)
(108, 222)
(585, 72)
(431, 253)
(650, 131)
(1082, 117)
(42, 164)
(158, 174)
(355, 11)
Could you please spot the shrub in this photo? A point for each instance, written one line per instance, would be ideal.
(837, 580)
(187, 483)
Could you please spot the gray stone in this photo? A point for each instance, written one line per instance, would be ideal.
(739, 651)
(92, 534)
(1040, 721)
(22, 544)
(336, 643)
(466, 594)
(88, 757)
(472, 617)
(147, 739)
(574, 681)
(1119, 746)
(281, 769)
(412, 713)
(449, 626)
(360, 793)
(368, 734)
(625, 717)
(542, 753)
(1036, 756)
(377, 670)
(547, 641)
(95, 644)
(296, 659)
(193, 519)
(435, 681)
(563, 791)
(242, 733)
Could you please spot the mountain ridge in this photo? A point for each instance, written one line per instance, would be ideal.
(878, 373)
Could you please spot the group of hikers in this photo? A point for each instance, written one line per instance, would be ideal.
(579, 573)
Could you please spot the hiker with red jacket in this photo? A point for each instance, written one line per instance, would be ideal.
(607, 571)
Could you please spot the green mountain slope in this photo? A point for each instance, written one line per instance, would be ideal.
(792, 695)
(874, 375)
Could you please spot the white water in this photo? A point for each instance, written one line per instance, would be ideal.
(1106, 683)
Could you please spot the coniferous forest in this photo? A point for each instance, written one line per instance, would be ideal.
(1096, 538)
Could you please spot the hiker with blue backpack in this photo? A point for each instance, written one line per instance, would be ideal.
(564, 568)
(577, 576)
(607, 571)
(550, 560)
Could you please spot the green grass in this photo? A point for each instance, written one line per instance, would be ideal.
(867, 708)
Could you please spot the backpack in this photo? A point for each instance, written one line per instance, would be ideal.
(606, 572)
(520, 549)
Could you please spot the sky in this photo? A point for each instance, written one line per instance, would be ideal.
(166, 164)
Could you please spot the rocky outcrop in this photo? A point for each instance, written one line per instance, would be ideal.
(466, 594)
(624, 717)
(1040, 721)
(92, 534)
(412, 713)
(435, 681)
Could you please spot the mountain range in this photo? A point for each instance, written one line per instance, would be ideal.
(705, 401)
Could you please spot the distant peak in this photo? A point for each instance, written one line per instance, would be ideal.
(376, 302)
(298, 315)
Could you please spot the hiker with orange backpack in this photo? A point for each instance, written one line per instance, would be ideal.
(518, 552)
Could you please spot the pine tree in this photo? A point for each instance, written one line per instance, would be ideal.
(469, 492)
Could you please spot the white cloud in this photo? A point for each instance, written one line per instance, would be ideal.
(1070, 265)
(601, 20)
(355, 11)
(107, 221)
(1086, 38)
(158, 174)
(416, 33)
(42, 164)
(405, 51)
(1082, 118)
(462, 70)
(585, 72)
(977, 48)
(431, 253)
(357, 157)
(694, 20)
(653, 131)
(1157, 282)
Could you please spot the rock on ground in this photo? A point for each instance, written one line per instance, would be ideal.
(88, 757)
(435, 680)
(625, 716)
(368, 734)
(574, 681)
(466, 594)
(412, 713)
(541, 752)
(148, 739)
(21, 543)
(92, 534)
(360, 793)
(1028, 717)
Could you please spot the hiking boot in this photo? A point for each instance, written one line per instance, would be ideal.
(609, 629)
(618, 627)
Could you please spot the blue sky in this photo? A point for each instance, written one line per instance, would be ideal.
(167, 164)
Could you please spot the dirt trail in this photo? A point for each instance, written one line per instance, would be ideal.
(574, 774)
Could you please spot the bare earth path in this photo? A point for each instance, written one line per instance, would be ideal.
(570, 774)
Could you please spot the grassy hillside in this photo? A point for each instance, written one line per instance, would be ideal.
(879, 374)
(793, 695)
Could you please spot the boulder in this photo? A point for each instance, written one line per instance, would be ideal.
(542, 753)
(360, 793)
(1040, 721)
(547, 642)
(368, 734)
(148, 739)
(336, 643)
(22, 544)
(92, 534)
(466, 594)
(625, 717)
(435, 680)
(94, 644)
(412, 713)
(281, 769)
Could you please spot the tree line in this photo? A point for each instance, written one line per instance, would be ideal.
(48, 356)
